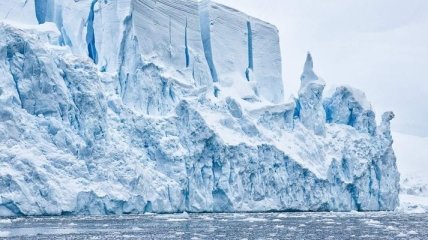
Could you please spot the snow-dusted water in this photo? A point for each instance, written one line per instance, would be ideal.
(379, 225)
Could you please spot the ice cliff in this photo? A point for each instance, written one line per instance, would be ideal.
(135, 106)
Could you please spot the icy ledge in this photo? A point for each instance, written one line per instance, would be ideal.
(70, 143)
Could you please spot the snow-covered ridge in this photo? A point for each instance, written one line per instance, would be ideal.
(171, 105)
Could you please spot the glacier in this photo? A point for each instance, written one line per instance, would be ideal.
(137, 106)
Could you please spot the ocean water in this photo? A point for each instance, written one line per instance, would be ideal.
(378, 225)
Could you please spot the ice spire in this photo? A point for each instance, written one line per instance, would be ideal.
(308, 70)
(311, 110)
(385, 126)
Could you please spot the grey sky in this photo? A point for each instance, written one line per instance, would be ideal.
(378, 46)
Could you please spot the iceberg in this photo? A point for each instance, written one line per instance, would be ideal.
(137, 106)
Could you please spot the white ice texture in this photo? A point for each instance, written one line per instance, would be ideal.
(135, 106)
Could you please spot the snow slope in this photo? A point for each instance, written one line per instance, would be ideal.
(164, 106)
(412, 152)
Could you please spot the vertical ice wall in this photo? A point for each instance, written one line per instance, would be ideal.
(51, 11)
(266, 55)
(36, 12)
(93, 28)
(109, 25)
(229, 49)
(243, 49)
(169, 36)
(231, 45)
(169, 62)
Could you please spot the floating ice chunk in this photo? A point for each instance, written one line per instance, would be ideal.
(5, 221)
(4, 234)
(254, 219)
(401, 235)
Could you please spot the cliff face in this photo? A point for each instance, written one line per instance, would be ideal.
(112, 107)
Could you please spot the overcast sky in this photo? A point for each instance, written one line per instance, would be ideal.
(378, 46)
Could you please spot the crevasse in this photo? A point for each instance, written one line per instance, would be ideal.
(90, 34)
(186, 47)
(41, 10)
(206, 37)
(250, 51)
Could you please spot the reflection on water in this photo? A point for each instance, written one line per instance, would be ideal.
(223, 226)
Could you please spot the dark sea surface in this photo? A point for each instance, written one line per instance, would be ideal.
(378, 225)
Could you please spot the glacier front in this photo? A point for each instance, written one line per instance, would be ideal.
(136, 106)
